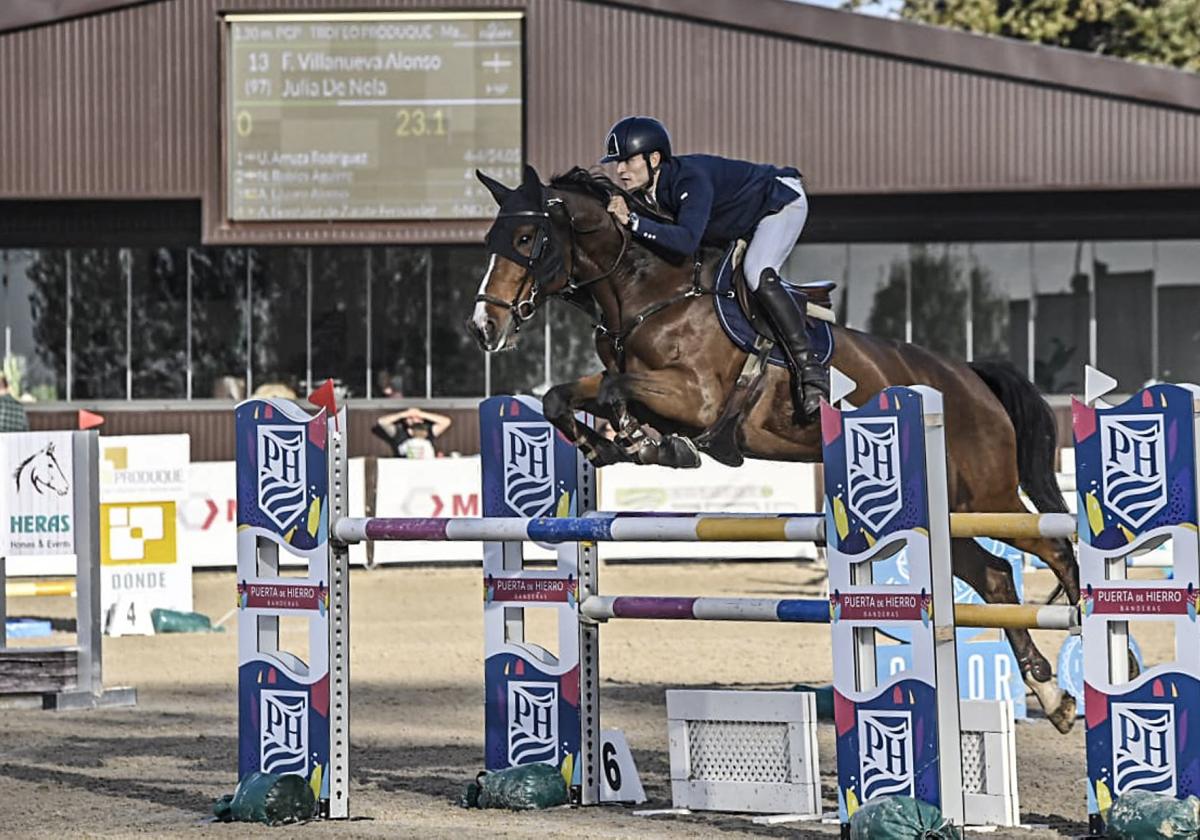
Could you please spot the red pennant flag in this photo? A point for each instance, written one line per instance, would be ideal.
(323, 398)
(88, 420)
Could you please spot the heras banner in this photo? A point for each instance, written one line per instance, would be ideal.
(38, 512)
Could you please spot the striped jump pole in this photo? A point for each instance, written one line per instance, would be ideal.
(810, 611)
(617, 527)
(611, 528)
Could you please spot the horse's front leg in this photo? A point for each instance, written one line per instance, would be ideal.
(672, 394)
(559, 406)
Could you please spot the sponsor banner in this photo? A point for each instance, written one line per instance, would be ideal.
(882, 606)
(276, 596)
(38, 513)
(1138, 600)
(143, 480)
(544, 590)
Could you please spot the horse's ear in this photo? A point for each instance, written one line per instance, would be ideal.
(498, 190)
(532, 180)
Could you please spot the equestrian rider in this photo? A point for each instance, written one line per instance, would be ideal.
(716, 201)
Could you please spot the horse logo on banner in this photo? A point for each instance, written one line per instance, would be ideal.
(533, 723)
(873, 469)
(529, 468)
(281, 473)
(886, 754)
(42, 472)
(1143, 737)
(1134, 457)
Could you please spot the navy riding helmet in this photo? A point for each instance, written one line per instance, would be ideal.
(636, 136)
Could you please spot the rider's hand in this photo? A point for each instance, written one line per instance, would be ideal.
(617, 206)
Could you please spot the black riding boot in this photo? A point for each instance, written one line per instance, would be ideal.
(810, 379)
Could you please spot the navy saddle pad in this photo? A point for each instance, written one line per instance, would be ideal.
(742, 333)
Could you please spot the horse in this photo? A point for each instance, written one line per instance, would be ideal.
(42, 472)
(668, 371)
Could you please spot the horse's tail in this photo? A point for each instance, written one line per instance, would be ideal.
(1037, 433)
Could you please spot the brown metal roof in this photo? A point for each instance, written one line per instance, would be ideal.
(125, 104)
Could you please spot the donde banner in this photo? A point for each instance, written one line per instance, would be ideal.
(143, 483)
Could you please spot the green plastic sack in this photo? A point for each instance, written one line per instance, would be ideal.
(523, 788)
(1141, 815)
(174, 621)
(268, 798)
(900, 818)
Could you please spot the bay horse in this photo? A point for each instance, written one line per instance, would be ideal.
(668, 370)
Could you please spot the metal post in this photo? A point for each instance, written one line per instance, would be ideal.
(590, 758)
(189, 323)
(546, 339)
(3, 604)
(1030, 338)
(249, 324)
(1091, 289)
(970, 303)
(339, 628)
(69, 315)
(1154, 285)
(908, 324)
(86, 487)
(428, 323)
(308, 301)
(370, 276)
(127, 263)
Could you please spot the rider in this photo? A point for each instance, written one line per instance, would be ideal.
(715, 201)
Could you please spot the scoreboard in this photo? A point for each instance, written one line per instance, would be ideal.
(371, 116)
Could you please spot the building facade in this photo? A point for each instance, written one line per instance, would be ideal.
(982, 197)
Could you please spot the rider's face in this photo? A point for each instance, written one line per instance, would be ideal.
(633, 173)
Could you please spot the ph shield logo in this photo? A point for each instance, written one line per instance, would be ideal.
(873, 469)
(533, 723)
(885, 754)
(283, 735)
(529, 468)
(1143, 739)
(281, 473)
(1134, 475)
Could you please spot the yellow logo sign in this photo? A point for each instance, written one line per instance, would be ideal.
(137, 532)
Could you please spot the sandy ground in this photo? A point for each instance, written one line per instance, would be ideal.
(417, 716)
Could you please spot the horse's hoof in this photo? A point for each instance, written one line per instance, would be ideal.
(1063, 718)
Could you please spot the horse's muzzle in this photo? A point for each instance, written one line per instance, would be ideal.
(487, 334)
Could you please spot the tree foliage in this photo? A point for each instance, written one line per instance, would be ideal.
(1152, 31)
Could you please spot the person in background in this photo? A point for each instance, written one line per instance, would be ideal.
(12, 413)
(410, 433)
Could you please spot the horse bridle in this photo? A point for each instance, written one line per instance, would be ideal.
(524, 308)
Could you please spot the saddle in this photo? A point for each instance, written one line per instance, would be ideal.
(747, 326)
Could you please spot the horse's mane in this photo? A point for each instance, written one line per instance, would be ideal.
(600, 187)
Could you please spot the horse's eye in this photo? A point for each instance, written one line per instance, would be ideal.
(525, 239)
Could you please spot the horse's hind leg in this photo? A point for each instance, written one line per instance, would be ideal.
(992, 578)
(1059, 555)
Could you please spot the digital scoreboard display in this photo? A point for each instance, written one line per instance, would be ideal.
(372, 116)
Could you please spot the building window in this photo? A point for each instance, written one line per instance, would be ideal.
(98, 281)
(336, 281)
(399, 316)
(35, 321)
(1062, 289)
(219, 322)
(1123, 275)
(159, 358)
(1177, 272)
(1000, 292)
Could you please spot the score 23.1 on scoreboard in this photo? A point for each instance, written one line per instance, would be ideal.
(370, 116)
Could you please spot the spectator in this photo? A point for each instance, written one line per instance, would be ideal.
(410, 433)
(12, 413)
